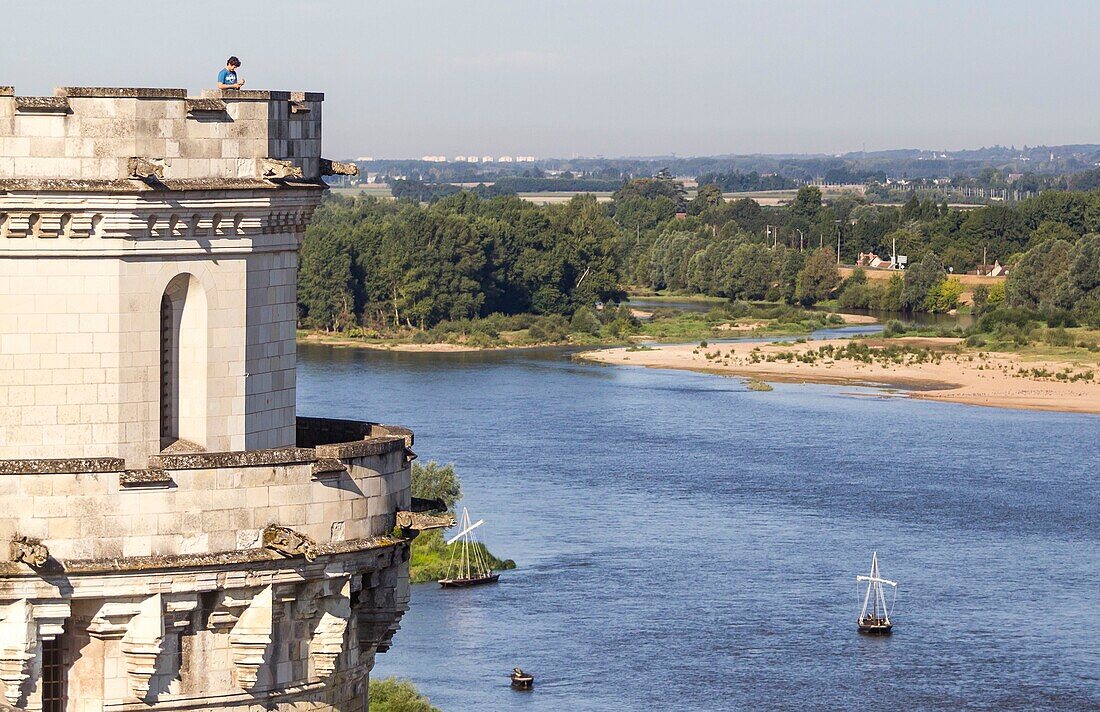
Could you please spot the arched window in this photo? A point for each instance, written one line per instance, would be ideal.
(183, 363)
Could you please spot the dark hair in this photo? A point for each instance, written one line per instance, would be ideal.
(233, 62)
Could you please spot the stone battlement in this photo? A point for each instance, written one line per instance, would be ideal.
(142, 138)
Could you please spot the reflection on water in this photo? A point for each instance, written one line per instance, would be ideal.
(687, 544)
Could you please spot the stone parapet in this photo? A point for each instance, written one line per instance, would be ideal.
(208, 503)
(91, 133)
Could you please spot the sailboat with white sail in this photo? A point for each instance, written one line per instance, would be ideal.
(874, 618)
(471, 568)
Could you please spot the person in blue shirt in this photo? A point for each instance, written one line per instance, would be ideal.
(227, 78)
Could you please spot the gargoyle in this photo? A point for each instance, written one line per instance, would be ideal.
(289, 542)
(145, 167)
(338, 168)
(274, 168)
(29, 551)
(423, 522)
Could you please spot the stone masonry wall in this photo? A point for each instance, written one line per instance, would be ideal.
(80, 317)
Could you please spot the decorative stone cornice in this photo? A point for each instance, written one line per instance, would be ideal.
(44, 466)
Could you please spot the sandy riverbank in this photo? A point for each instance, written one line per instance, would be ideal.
(987, 379)
(415, 348)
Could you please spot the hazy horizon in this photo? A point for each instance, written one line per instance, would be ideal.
(616, 79)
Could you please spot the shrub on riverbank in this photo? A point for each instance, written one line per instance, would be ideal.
(394, 695)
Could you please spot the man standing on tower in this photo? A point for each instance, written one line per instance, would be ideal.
(227, 78)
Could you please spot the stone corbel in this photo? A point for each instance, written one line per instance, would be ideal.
(18, 647)
(327, 642)
(250, 637)
(228, 611)
(275, 168)
(142, 644)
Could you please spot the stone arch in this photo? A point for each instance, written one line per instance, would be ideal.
(184, 358)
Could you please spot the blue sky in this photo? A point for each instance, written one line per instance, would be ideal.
(610, 77)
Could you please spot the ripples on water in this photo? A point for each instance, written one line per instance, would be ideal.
(687, 544)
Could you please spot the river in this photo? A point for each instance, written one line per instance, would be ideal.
(687, 544)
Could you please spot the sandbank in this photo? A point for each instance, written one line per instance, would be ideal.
(960, 376)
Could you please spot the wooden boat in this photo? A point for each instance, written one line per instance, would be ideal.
(874, 618)
(471, 568)
(522, 680)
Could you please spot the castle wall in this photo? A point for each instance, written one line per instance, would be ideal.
(176, 538)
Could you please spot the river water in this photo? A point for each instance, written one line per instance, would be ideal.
(687, 544)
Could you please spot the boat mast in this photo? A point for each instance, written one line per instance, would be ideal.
(877, 596)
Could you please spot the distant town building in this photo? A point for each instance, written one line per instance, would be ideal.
(504, 159)
(486, 159)
(364, 159)
(434, 159)
(525, 159)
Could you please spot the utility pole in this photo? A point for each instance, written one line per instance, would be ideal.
(801, 239)
(838, 242)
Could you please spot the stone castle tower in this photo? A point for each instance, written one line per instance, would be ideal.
(172, 536)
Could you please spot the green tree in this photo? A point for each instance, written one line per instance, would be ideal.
(920, 280)
(1033, 279)
(818, 278)
(944, 296)
(435, 481)
(324, 283)
(585, 321)
(1049, 230)
(807, 202)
